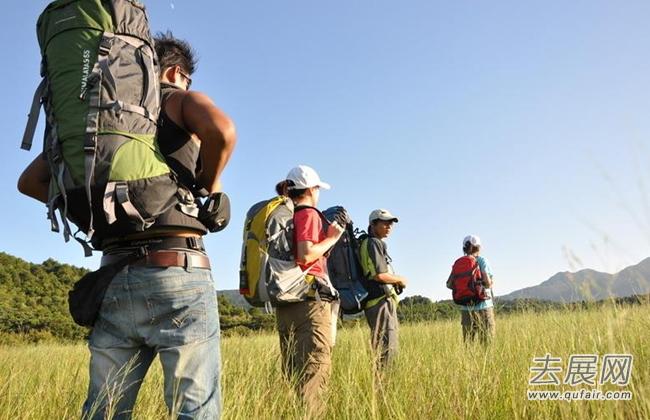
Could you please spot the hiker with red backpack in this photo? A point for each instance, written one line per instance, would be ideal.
(383, 286)
(471, 284)
(154, 294)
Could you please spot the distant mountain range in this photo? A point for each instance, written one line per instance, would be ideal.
(589, 285)
(235, 298)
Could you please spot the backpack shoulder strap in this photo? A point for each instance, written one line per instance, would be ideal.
(296, 209)
(364, 257)
(304, 207)
(273, 205)
(477, 272)
(363, 243)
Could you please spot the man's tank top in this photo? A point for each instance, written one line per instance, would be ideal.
(182, 155)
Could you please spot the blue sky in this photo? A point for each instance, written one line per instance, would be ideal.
(523, 122)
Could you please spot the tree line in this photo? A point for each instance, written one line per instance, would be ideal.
(34, 306)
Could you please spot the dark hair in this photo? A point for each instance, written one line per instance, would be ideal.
(282, 187)
(470, 249)
(174, 52)
(294, 193)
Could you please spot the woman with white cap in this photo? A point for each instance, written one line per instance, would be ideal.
(477, 316)
(306, 327)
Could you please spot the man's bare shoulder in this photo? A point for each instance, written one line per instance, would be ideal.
(181, 103)
(200, 112)
(194, 98)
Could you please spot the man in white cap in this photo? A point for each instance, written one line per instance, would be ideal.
(477, 316)
(382, 285)
(305, 327)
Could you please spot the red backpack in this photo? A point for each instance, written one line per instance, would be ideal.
(466, 284)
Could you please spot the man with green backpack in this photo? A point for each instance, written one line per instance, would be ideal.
(103, 169)
(383, 286)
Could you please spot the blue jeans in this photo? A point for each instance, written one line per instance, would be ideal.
(149, 311)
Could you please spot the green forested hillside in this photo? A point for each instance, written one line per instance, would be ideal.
(33, 297)
(33, 303)
(34, 306)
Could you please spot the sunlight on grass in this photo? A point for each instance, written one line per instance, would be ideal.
(436, 375)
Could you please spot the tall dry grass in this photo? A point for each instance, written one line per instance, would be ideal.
(436, 376)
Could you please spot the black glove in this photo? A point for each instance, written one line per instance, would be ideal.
(341, 216)
(215, 212)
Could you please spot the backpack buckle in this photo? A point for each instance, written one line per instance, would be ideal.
(90, 145)
(56, 157)
(142, 252)
(105, 45)
(195, 244)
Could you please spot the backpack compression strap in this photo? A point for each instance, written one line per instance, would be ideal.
(100, 68)
(34, 113)
(51, 147)
(465, 274)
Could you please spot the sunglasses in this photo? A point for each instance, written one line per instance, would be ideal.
(187, 77)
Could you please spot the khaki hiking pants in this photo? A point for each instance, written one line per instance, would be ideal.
(305, 330)
(478, 324)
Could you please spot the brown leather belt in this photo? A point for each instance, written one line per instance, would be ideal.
(164, 259)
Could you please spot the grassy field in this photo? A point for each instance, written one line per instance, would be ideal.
(436, 376)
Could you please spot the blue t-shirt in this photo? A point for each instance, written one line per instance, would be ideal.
(485, 267)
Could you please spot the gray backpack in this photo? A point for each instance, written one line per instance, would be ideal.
(269, 275)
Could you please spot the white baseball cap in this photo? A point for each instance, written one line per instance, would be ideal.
(472, 239)
(304, 176)
(381, 214)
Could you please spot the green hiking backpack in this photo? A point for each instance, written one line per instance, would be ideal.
(101, 95)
